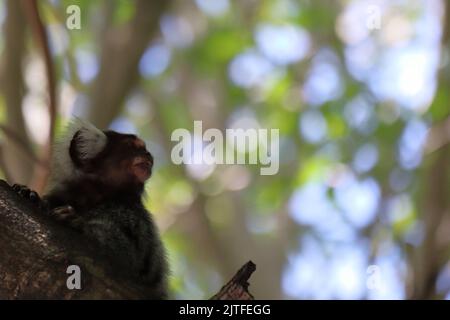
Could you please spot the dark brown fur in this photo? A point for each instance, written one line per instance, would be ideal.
(106, 176)
(105, 196)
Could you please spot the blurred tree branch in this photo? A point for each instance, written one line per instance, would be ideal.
(121, 50)
(41, 173)
(16, 159)
(18, 141)
(430, 258)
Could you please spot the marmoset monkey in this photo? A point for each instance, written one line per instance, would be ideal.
(96, 185)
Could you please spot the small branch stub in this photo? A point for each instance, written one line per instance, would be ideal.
(237, 287)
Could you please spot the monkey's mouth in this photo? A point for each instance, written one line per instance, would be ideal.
(142, 168)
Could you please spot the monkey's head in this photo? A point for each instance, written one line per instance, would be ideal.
(116, 159)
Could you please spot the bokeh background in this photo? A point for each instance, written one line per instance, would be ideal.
(358, 89)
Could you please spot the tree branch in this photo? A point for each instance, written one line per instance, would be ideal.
(428, 261)
(35, 253)
(121, 51)
(237, 287)
(41, 173)
(16, 160)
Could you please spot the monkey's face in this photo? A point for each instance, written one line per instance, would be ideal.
(124, 161)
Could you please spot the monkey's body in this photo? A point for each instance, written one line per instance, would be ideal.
(125, 233)
(122, 230)
(97, 185)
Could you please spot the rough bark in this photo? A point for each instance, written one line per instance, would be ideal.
(35, 253)
(237, 287)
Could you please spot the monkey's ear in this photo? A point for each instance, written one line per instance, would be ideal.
(86, 144)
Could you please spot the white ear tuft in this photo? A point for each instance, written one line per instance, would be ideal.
(90, 142)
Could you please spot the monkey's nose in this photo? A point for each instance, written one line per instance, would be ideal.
(149, 156)
(142, 168)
